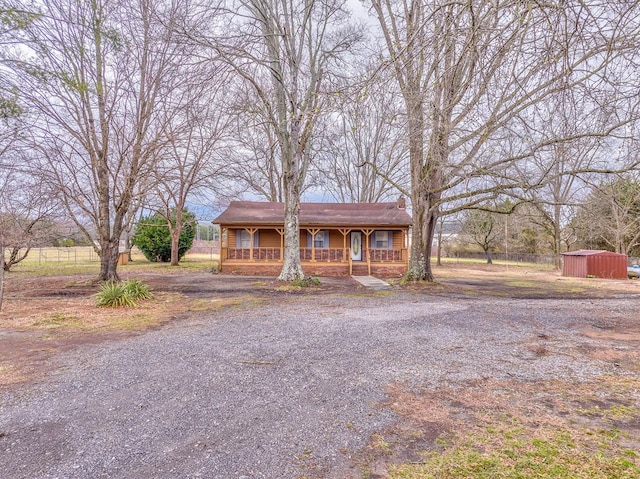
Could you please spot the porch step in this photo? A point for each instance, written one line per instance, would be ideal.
(360, 270)
(371, 282)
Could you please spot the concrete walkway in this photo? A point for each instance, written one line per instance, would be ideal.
(371, 282)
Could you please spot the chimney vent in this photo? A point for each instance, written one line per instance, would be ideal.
(402, 203)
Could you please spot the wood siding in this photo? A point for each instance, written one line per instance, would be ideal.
(231, 238)
(269, 239)
(398, 240)
(336, 239)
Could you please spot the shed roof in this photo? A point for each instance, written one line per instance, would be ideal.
(591, 252)
(316, 214)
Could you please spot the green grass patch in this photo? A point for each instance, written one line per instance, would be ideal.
(511, 450)
(305, 282)
(617, 412)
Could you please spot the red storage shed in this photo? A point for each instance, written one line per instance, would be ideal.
(588, 263)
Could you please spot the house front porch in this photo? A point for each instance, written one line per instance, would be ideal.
(316, 262)
(335, 239)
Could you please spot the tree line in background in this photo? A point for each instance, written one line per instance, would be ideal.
(511, 117)
(607, 217)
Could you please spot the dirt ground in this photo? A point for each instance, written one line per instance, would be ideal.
(45, 316)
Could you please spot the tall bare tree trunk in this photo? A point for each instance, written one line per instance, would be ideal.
(109, 261)
(291, 266)
(557, 236)
(175, 229)
(419, 269)
(1, 270)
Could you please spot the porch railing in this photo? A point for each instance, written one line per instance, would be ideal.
(326, 255)
(259, 254)
(387, 255)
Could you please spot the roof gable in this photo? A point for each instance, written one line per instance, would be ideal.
(315, 214)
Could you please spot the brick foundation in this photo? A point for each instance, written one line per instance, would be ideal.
(316, 269)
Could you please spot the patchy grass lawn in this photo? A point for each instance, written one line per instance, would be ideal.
(520, 430)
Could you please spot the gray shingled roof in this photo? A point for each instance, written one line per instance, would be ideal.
(315, 214)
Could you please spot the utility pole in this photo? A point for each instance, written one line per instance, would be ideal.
(506, 241)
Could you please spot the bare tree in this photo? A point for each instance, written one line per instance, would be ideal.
(194, 151)
(26, 207)
(484, 228)
(256, 165)
(568, 164)
(96, 73)
(286, 50)
(610, 217)
(472, 75)
(10, 122)
(363, 147)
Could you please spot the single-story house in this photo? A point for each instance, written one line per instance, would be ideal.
(336, 239)
(595, 264)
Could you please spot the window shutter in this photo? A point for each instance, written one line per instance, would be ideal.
(390, 245)
(309, 239)
(238, 238)
(326, 239)
(255, 239)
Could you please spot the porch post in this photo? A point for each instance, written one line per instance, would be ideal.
(314, 232)
(367, 233)
(251, 232)
(224, 231)
(344, 232)
(406, 246)
(281, 233)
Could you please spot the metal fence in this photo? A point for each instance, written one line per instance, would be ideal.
(86, 254)
(78, 254)
(545, 259)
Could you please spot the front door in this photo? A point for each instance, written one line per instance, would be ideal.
(356, 246)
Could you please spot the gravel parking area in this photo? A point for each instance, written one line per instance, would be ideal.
(291, 387)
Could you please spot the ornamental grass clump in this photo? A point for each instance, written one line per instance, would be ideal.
(122, 294)
(137, 289)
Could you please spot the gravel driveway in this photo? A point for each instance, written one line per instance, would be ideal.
(292, 388)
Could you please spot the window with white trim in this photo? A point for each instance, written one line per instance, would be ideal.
(320, 240)
(243, 239)
(382, 239)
